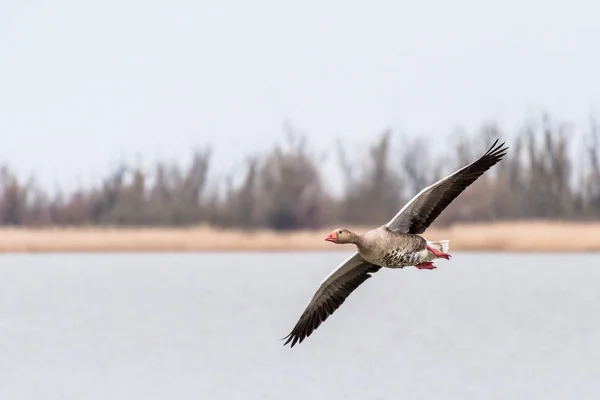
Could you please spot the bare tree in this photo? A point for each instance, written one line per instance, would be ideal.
(284, 187)
(374, 194)
(290, 187)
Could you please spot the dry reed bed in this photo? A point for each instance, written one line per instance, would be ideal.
(513, 236)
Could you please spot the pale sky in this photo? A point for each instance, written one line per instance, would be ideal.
(86, 84)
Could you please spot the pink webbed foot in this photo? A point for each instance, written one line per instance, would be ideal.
(426, 265)
(438, 254)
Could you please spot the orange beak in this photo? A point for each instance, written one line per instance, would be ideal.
(332, 237)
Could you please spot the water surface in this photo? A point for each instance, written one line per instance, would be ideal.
(207, 326)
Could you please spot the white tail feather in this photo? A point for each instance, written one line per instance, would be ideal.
(441, 245)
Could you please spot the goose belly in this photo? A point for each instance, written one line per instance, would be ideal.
(399, 258)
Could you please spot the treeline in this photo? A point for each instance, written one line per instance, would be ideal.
(551, 171)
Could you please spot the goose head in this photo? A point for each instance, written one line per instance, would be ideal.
(341, 236)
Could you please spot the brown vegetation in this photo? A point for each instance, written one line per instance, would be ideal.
(283, 190)
(508, 236)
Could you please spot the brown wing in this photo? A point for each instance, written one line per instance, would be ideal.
(419, 213)
(333, 291)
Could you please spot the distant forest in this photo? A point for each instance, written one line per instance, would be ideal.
(551, 171)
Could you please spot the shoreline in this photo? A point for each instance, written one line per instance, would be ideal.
(517, 236)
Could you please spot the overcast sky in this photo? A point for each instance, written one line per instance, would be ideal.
(84, 84)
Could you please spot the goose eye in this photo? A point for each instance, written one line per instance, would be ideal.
(339, 231)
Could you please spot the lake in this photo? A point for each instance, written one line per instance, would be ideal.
(208, 326)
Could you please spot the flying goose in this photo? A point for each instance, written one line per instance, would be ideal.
(397, 244)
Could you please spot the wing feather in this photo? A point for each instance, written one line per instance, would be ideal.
(334, 290)
(420, 212)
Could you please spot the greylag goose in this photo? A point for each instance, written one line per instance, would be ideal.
(397, 244)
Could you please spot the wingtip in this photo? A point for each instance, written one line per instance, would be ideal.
(497, 150)
(289, 339)
(495, 145)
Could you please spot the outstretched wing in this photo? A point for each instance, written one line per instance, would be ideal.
(420, 212)
(333, 291)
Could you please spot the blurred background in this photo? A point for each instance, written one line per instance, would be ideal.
(266, 115)
(139, 126)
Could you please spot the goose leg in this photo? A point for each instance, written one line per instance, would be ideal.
(426, 265)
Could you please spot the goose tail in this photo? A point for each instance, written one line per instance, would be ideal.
(441, 245)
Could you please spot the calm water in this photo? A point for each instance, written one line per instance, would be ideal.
(207, 326)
